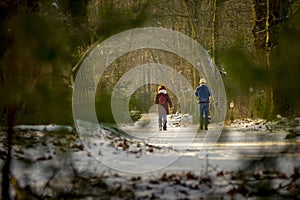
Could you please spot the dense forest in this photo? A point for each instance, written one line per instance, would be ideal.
(253, 44)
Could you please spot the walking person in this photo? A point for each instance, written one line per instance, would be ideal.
(163, 100)
(203, 94)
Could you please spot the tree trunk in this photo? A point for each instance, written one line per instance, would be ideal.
(269, 88)
(213, 31)
(11, 113)
(268, 15)
(261, 33)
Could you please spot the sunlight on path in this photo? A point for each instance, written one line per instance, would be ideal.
(149, 149)
(232, 144)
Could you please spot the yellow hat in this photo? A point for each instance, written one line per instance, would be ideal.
(161, 87)
(202, 81)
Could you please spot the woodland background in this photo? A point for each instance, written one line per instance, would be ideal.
(254, 44)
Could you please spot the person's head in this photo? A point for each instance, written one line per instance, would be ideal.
(202, 81)
(161, 87)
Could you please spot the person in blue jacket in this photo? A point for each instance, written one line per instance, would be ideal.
(203, 94)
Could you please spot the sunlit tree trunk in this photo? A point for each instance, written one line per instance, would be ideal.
(196, 14)
(268, 15)
(144, 86)
(261, 32)
(149, 87)
(213, 31)
(269, 89)
(192, 19)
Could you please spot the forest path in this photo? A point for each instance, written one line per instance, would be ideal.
(224, 142)
(236, 144)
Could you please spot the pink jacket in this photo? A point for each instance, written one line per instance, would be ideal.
(163, 108)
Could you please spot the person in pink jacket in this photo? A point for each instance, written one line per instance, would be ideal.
(162, 99)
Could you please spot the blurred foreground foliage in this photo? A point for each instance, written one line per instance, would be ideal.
(249, 79)
(41, 42)
(33, 67)
(286, 71)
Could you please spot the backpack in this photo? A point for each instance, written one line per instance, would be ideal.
(162, 99)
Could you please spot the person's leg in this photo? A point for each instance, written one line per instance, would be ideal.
(164, 122)
(206, 115)
(201, 115)
(160, 121)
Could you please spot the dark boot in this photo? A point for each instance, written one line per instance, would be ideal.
(206, 124)
(165, 126)
(201, 125)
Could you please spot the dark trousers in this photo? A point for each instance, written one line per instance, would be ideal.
(204, 107)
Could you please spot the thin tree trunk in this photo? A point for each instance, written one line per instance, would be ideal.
(194, 36)
(213, 31)
(11, 113)
(269, 90)
(149, 86)
(261, 33)
(144, 86)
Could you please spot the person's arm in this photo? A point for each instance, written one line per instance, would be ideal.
(169, 101)
(209, 95)
(156, 99)
(196, 92)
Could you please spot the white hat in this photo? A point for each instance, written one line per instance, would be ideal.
(202, 80)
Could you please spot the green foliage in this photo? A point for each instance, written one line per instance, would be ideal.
(77, 8)
(243, 70)
(114, 20)
(221, 1)
(245, 83)
(32, 70)
(103, 108)
(282, 76)
(286, 68)
(39, 47)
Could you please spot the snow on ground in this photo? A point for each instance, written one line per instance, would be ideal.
(252, 159)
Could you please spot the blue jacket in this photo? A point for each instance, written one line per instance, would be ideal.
(203, 93)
